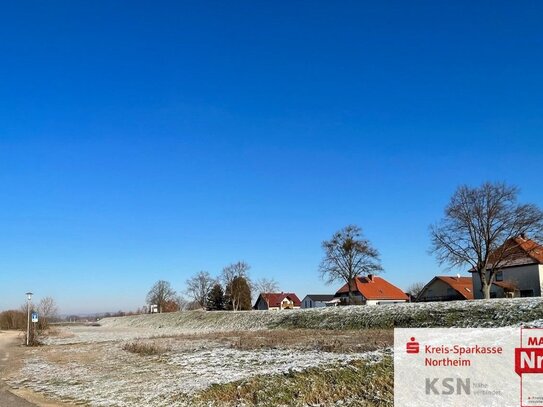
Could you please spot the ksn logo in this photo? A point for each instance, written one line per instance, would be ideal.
(412, 346)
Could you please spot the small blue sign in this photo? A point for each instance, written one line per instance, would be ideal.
(34, 317)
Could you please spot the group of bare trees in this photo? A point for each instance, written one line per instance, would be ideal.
(17, 319)
(233, 290)
(164, 297)
(479, 232)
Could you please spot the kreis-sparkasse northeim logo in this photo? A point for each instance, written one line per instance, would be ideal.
(469, 367)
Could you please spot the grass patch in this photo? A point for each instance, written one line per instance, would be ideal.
(305, 339)
(358, 383)
(144, 348)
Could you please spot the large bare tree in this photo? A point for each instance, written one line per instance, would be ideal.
(160, 294)
(265, 285)
(348, 255)
(199, 286)
(480, 228)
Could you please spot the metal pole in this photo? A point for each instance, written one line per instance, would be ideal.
(28, 297)
(28, 322)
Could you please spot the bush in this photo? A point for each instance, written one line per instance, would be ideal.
(12, 320)
(144, 349)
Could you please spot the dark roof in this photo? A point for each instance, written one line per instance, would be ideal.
(321, 297)
(375, 288)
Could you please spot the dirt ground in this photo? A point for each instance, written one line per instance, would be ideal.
(138, 368)
(11, 356)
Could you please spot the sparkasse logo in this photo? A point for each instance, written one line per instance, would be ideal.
(412, 346)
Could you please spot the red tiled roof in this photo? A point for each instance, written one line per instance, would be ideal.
(506, 285)
(375, 288)
(520, 251)
(531, 248)
(462, 285)
(274, 299)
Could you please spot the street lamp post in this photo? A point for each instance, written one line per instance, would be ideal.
(28, 297)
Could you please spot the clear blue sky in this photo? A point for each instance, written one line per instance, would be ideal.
(150, 140)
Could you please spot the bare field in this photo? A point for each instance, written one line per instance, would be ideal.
(114, 367)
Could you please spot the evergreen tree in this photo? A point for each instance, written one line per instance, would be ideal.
(239, 297)
(215, 299)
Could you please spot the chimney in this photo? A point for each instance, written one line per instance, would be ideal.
(370, 277)
(458, 276)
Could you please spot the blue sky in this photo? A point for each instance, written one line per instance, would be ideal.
(150, 140)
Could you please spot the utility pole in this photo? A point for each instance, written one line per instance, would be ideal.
(28, 297)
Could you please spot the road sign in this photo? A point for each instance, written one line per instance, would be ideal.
(34, 317)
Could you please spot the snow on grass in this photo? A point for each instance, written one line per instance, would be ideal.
(496, 312)
(92, 368)
(102, 374)
(461, 314)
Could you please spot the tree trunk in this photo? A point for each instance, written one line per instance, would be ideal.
(485, 285)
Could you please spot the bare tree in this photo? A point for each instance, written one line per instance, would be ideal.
(265, 285)
(415, 288)
(481, 228)
(231, 272)
(199, 286)
(348, 255)
(161, 293)
(238, 269)
(181, 302)
(48, 311)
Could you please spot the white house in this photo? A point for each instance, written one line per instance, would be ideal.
(316, 300)
(520, 276)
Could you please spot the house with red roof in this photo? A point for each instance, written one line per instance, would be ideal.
(372, 290)
(521, 275)
(447, 288)
(277, 301)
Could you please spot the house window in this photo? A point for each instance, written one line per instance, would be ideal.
(499, 276)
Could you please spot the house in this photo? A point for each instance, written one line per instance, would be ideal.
(317, 300)
(447, 288)
(372, 290)
(277, 301)
(522, 273)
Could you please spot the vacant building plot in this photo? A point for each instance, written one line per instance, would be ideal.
(325, 357)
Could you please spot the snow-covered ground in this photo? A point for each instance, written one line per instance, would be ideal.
(478, 313)
(88, 365)
(103, 374)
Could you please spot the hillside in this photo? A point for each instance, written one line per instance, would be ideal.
(482, 313)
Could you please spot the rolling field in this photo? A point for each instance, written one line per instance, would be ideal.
(339, 356)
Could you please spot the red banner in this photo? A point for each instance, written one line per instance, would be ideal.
(528, 360)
